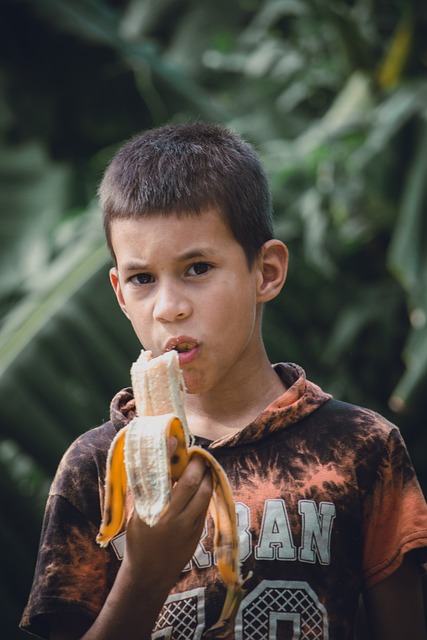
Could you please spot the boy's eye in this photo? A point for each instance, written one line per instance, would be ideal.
(199, 268)
(142, 278)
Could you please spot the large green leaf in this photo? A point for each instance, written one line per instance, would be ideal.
(33, 191)
(407, 253)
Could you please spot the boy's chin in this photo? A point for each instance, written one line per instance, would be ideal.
(193, 383)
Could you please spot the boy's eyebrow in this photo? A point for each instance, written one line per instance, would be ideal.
(191, 254)
(196, 253)
(134, 266)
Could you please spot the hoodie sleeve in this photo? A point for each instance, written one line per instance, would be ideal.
(73, 574)
(394, 514)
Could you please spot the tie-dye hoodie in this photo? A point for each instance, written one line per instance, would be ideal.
(327, 505)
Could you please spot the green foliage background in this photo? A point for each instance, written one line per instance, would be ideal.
(333, 94)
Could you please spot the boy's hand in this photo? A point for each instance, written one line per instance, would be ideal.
(153, 560)
(163, 550)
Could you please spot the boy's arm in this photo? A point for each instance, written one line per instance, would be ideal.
(153, 560)
(394, 607)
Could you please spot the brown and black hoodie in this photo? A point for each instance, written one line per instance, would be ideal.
(327, 505)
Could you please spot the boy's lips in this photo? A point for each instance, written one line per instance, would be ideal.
(186, 347)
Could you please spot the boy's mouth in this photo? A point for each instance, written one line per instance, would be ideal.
(186, 347)
(181, 344)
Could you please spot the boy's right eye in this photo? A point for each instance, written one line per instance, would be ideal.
(142, 278)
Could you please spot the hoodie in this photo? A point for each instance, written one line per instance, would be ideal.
(327, 505)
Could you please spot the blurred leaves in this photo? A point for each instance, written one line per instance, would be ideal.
(31, 194)
(332, 94)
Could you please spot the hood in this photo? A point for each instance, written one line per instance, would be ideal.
(300, 399)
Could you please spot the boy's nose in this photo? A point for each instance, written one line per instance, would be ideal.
(171, 305)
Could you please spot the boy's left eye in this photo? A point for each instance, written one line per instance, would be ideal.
(199, 268)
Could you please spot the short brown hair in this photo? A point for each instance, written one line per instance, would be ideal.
(185, 169)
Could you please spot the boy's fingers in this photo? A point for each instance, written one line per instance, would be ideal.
(195, 486)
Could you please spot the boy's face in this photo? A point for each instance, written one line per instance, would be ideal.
(184, 283)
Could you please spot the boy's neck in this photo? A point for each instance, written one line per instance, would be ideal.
(221, 413)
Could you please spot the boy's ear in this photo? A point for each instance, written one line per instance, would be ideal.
(115, 283)
(273, 267)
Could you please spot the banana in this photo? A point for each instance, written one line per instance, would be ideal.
(138, 457)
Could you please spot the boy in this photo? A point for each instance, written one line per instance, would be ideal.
(327, 500)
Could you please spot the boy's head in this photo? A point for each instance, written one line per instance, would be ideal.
(185, 169)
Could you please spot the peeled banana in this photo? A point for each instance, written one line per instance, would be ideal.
(139, 457)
